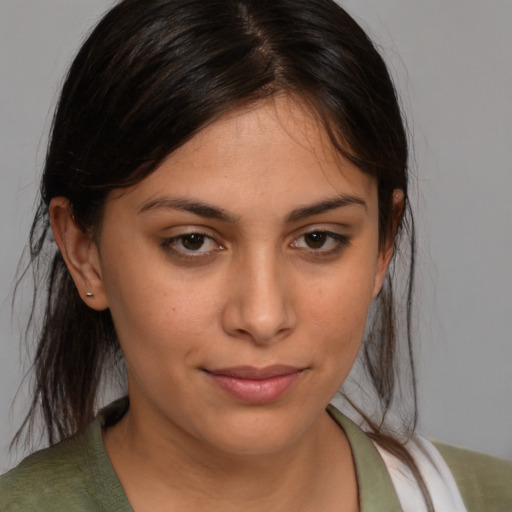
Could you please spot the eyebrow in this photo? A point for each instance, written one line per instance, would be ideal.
(213, 212)
(197, 207)
(325, 206)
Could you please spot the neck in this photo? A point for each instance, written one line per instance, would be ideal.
(168, 466)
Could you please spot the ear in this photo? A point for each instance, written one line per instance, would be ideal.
(80, 254)
(386, 252)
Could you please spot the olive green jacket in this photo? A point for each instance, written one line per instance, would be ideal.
(76, 475)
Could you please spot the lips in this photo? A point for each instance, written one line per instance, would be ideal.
(255, 385)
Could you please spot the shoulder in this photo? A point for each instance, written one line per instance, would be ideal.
(54, 479)
(75, 475)
(485, 482)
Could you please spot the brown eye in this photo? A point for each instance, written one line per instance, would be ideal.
(315, 240)
(193, 242)
(321, 243)
(191, 245)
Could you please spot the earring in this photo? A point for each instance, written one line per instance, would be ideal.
(89, 295)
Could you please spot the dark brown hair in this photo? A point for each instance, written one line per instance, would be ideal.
(150, 76)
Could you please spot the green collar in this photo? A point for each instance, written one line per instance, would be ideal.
(376, 491)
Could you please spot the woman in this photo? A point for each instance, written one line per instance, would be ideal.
(226, 184)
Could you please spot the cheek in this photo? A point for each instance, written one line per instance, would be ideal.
(157, 311)
(344, 298)
(337, 314)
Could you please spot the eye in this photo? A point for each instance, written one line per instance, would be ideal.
(192, 244)
(322, 242)
(316, 240)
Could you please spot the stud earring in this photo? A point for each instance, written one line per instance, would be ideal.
(89, 295)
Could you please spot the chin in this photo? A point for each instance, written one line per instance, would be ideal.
(256, 432)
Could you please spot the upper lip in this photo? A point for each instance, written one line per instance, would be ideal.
(253, 373)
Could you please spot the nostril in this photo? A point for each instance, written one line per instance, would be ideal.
(268, 326)
(260, 307)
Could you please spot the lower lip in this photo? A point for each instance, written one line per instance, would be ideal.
(255, 391)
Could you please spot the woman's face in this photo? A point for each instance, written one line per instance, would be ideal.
(239, 276)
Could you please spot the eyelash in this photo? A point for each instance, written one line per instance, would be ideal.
(340, 241)
(169, 245)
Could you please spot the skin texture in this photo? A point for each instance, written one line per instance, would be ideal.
(255, 288)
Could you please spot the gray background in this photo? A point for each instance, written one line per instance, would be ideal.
(452, 63)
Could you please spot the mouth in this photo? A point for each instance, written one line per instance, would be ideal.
(255, 385)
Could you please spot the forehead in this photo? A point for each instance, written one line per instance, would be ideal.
(273, 153)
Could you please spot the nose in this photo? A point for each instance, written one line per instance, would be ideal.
(260, 307)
